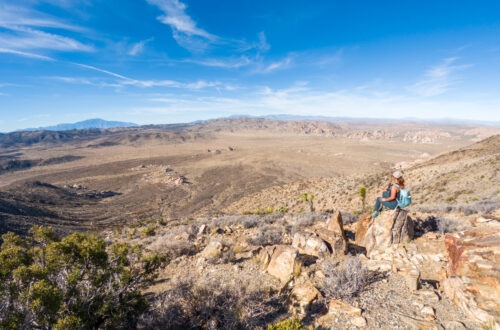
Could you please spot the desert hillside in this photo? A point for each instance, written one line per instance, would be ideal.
(465, 180)
(238, 166)
(252, 224)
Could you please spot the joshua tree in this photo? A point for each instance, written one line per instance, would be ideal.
(308, 198)
(362, 195)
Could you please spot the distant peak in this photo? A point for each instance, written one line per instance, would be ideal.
(93, 123)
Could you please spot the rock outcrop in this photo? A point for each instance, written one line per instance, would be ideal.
(308, 243)
(473, 273)
(303, 295)
(281, 261)
(390, 227)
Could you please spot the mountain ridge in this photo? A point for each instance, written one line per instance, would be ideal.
(93, 123)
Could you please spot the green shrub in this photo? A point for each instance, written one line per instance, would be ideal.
(72, 283)
(149, 230)
(289, 324)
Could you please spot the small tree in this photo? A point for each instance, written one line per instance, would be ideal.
(362, 195)
(308, 198)
(76, 282)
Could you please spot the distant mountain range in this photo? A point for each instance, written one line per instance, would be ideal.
(98, 123)
(444, 121)
(86, 124)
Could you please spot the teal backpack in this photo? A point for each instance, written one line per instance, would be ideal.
(404, 199)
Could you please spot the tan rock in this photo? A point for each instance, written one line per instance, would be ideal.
(359, 321)
(265, 256)
(418, 324)
(202, 230)
(390, 227)
(473, 274)
(303, 295)
(213, 250)
(335, 224)
(361, 227)
(336, 243)
(310, 244)
(428, 313)
(411, 277)
(453, 325)
(428, 296)
(337, 306)
(283, 263)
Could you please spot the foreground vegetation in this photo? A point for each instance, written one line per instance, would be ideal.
(76, 282)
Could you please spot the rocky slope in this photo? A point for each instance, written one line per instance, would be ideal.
(297, 265)
(465, 180)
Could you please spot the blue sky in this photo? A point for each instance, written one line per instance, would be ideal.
(166, 61)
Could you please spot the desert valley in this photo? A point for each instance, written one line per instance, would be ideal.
(261, 221)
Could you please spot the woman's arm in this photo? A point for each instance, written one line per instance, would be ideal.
(394, 192)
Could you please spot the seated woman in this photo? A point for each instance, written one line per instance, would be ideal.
(390, 196)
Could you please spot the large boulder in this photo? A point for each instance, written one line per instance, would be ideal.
(308, 243)
(333, 234)
(361, 227)
(390, 227)
(282, 262)
(337, 244)
(335, 224)
(473, 272)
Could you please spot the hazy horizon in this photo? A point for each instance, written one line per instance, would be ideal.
(177, 61)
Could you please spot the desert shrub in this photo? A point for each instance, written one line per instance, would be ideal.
(166, 244)
(210, 305)
(345, 280)
(289, 324)
(149, 230)
(74, 282)
(298, 222)
(283, 209)
(448, 225)
(476, 207)
(308, 198)
(268, 235)
(349, 218)
(250, 222)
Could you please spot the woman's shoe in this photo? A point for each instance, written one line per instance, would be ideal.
(375, 214)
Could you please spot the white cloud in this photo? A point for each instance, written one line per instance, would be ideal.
(227, 63)
(28, 39)
(184, 29)
(188, 35)
(26, 54)
(439, 79)
(22, 30)
(299, 99)
(138, 47)
(127, 81)
(14, 16)
(176, 17)
(277, 65)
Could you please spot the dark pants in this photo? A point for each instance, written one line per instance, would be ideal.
(391, 205)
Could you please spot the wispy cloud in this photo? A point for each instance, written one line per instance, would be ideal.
(176, 17)
(22, 30)
(276, 65)
(189, 35)
(26, 54)
(14, 16)
(138, 47)
(184, 29)
(301, 99)
(226, 62)
(127, 81)
(439, 79)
